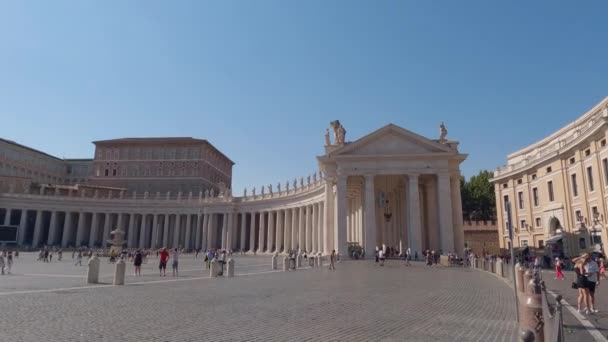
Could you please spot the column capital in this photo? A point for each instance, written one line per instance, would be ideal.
(413, 177)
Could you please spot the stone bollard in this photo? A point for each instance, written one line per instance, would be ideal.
(93, 272)
(493, 266)
(230, 267)
(285, 263)
(214, 269)
(320, 261)
(531, 317)
(274, 262)
(120, 268)
(311, 261)
(519, 278)
(299, 260)
(476, 263)
(499, 269)
(527, 277)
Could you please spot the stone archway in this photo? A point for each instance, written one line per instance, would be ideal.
(554, 225)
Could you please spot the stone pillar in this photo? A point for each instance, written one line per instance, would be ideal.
(349, 221)
(279, 240)
(22, 227)
(229, 231)
(67, 227)
(93, 271)
(119, 222)
(309, 229)
(340, 231)
(210, 231)
(187, 242)
(415, 226)
(287, 231)
(37, 229)
(143, 231)
(94, 230)
(230, 268)
(319, 222)
(131, 235)
(106, 230)
(328, 217)
(119, 272)
(457, 214)
(252, 233)
(314, 229)
(166, 231)
(204, 231)
(243, 231)
(176, 230)
(446, 228)
(53, 229)
(294, 228)
(197, 232)
(80, 229)
(302, 229)
(261, 233)
(271, 229)
(155, 231)
(225, 226)
(7, 217)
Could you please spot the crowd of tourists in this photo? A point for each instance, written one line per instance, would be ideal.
(588, 271)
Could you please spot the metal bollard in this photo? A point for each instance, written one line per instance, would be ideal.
(499, 268)
(285, 263)
(93, 271)
(119, 272)
(274, 261)
(532, 311)
(230, 267)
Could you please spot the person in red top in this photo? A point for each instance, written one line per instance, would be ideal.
(164, 257)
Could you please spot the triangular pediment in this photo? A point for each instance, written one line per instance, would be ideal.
(392, 140)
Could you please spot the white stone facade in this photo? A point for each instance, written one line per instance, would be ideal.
(391, 187)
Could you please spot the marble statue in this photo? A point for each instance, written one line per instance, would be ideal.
(207, 193)
(253, 192)
(262, 190)
(308, 180)
(270, 189)
(295, 183)
(327, 140)
(245, 192)
(287, 186)
(279, 187)
(443, 132)
(339, 132)
(301, 182)
(314, 177)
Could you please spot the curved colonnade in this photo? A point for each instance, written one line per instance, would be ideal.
(273, 222)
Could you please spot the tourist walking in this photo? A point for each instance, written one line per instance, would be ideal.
(59, 255)
(558, 269)
(162, 262)
(137, 261)
(9, 261)
(78, 258)
(2, 265)
(381, 257)
(174, 261)
(592, 271)
(408, 257)
(581, 283)
(332, 260)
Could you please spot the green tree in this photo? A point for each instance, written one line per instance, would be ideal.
(478, 200)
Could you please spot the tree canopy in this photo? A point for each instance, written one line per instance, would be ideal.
(478, 199)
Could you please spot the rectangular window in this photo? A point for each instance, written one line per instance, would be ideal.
(534, 176)
(535, 196)
(587, 152)
(523, 224)
(519, 181)
(520, 197)
(549, 169)
(572, 160)
(595, 212)
(107, 172)
(538, 222)
(590, 178)
(524, 243)
(505, 185)
(574, 185)
(578, 216)
(114, 172)
(603, 143)
(541, 244)
(550, 190)
(605, 167)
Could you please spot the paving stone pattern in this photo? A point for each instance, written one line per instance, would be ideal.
(360, 301)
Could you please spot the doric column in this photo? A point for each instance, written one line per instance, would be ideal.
(131, 235)
(67, 227)
(446, 228)
(294, 228)
(166, 231)
(314, 225)
(155, 231)
(279, 237)
(302, 229)
(143, 231)
(120, 221)
(457, 215)
(7, 217)
(328, 217)
(176, 230)
(94, 230)
(243, 233)
(252, 233)
(224, 231)
(308, 222)
(106, 229)
(22, 227)
(210, 231)
(204, 231)
(52, 229)
(319, 221)
(287, 231)
(271, 229)
(262, 235)
(37, 229)
(349, 220)
(415, 228)
(80, 229)
(187, 242)
(340, 232)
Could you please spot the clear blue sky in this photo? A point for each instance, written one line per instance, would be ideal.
(262, 79)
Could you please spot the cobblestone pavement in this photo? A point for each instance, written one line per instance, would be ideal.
(360, 301)
(574, 328)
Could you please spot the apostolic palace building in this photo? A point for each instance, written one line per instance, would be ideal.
(557, 188)
(391, 187)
